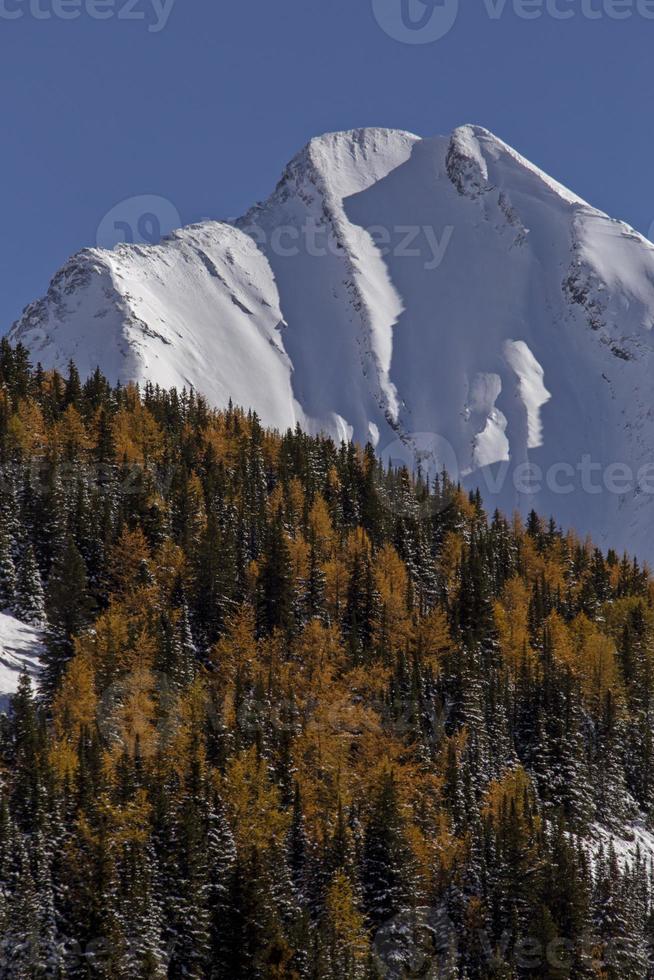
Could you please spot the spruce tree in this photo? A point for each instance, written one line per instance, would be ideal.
(8, 580)
(385, 871)
(221, 864)
(275, 603)
(29, 603)
(68, 607)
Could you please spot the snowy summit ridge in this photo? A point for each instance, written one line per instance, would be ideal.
(393, 286)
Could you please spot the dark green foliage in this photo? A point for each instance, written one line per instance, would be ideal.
(247, 826)
(68, 607)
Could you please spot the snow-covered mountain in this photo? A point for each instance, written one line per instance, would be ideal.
(440, 297)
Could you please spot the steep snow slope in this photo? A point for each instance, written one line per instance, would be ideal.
(339, 302)
(440, 293)
(20, 649)
(199, 310)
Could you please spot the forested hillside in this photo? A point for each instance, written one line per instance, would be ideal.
(302, 716)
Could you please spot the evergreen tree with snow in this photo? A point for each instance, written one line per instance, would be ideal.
(68, 607)
(29, 604)
(386, 864)
(8, 581)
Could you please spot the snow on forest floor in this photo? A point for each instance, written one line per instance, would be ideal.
(20, 649)
(635, 836)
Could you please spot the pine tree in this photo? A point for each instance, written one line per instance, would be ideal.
(141, 913)
(613, 804)
(73, 390)
(298, 847)
(275, 581)
(222, 861)
(68, 608)
(254, 927)
(177, 659)
(27, 757)
(385, 872)
(8, 581)
(191, 922)
(623, 953)
(21, 943)
(30, 599)
(215, 576)
(314, 588)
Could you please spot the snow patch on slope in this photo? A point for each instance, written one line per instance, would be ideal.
(21, 647)
(532, 390)
(635, 839)
(490, 443)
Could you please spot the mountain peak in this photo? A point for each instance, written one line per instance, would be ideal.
(479, 159)
(340, 163)
(398, 289)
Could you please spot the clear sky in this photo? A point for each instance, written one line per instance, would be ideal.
(203, 102)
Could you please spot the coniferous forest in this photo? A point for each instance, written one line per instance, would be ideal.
(301, 716)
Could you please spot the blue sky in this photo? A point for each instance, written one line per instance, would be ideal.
(202, 102)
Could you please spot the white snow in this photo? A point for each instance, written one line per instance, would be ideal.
(532, 390)
(635, 838)
(20, 649)
(490, 444)
(393, 285)
(199, 310)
